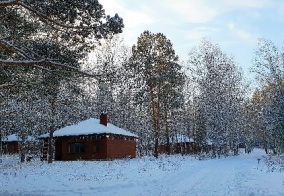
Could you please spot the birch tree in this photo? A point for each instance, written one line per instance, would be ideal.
(219, 84)
(107, 61)
(269, 69)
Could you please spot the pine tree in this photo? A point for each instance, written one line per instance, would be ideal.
(44, 44)
(77, 25)
(158, 76)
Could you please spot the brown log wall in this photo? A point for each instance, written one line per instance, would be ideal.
(109, 148)
(11, 147)
(119, 148)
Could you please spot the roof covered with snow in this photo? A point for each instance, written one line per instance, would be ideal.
(182, 138)
(16, 138)
(87, 127)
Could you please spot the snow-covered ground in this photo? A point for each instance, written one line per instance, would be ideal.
(174, 175)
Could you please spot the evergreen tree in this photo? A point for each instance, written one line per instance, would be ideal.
(158, 77)
(77, 25)
(42, 46)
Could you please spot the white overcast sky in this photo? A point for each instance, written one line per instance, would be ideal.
(233, 24)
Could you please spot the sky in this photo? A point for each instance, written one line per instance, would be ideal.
(235, 25)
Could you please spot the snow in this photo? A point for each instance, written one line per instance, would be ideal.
(15, 138)
(167, 175)
(90, 126)
(182, 138)
(7, 2)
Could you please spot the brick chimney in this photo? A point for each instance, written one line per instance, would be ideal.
(103, 119)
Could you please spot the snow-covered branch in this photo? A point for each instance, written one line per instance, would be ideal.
(8, 3)
(44, 17)
(7, 85)
(11, 47)
(43, 63)
(75, 25)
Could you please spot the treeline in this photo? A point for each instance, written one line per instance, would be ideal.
(46, 82)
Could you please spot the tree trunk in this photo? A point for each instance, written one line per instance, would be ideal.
(1, 147)
(156, 152)
(51, 131)
(167, 131)
(155, 122)
(22, 157)
(22, 146)
(158, 120)
(50, 146)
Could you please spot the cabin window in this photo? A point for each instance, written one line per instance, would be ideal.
(96, 147)
(76, 148)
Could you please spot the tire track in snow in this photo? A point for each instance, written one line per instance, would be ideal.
(217, 175)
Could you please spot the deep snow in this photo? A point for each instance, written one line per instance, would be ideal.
(173, 175)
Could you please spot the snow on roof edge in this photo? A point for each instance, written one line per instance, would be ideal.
(15, 138)
(88, 127)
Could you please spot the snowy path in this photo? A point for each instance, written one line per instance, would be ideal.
(230, 176)
(166, 176)
(210, 177)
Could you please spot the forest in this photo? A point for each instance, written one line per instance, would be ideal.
(62, 62)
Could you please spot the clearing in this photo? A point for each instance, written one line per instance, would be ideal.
(168, 175)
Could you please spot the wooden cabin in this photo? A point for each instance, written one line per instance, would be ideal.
(92, 139)
(11, 144)
(182, 144)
